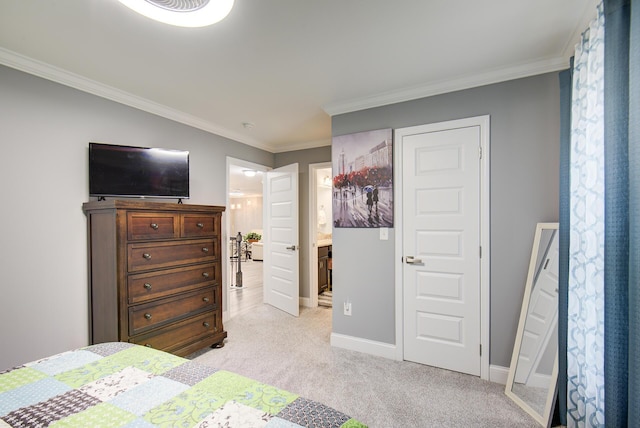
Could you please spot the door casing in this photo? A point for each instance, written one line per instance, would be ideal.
(312, 249)
(226, 233)
(485, 262)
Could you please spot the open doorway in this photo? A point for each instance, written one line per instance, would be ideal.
(244, 230)
(320, 235)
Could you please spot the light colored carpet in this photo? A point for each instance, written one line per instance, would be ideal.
(295, 354)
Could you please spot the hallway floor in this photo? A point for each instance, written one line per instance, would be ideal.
(250, 296)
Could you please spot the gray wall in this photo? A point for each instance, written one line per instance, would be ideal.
(45, 129)
(44, 136)
(303, 158)
(524, 190)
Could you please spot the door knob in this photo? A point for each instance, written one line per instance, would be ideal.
(292, 248)
(412, 260)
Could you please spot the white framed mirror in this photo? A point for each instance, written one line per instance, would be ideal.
(533, 374)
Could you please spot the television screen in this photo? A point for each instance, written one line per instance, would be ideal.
(137, 171)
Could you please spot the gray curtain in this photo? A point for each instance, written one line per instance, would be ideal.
(563, 240)
(622, 213)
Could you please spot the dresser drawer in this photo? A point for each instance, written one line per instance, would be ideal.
(155, 314)
(182, 333)
(145, 226)
(323, 251)
(143, 287)
(198, 225)
(147, 256)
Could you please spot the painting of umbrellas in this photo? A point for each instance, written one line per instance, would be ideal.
(362, 166)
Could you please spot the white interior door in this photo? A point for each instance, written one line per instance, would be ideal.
(441, 175)
(281, 255)
(542, 315)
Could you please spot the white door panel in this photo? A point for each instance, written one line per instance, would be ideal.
(281, 258)
(441, 228)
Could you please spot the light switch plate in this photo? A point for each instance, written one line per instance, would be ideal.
(384, 233)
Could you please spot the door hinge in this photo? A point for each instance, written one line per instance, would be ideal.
(480, 152)
(481, 349)
(480, 251)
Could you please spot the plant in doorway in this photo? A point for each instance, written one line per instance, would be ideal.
(252, 237)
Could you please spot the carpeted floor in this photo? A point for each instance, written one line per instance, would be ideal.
(294, 354)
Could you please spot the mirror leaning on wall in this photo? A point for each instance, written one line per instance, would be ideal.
(533, 374)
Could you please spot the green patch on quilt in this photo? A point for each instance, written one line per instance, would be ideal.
(142, 358)
(352, 423)
(265, 398)
(225, 385)
(205, 397)
(18, 377)
(103, 415)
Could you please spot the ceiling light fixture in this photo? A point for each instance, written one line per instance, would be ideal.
(249, 173)
(182, 13)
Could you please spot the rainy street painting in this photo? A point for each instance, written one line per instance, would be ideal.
(363, 179)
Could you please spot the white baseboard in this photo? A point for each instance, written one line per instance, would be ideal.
(498, 374)
(305, 302)
(366, 346)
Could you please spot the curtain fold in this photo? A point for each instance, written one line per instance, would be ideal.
(600, 213)
(563, 238)
(634, 211)
(616, 211)
(585, 291)
(622, 209)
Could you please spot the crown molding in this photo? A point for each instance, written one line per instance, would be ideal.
(67, 78)
(467, 82)
(443, 87)
(302, 146)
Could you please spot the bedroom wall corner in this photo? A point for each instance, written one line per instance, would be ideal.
(43, 252)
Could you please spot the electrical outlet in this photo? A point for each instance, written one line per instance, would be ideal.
(347, 308)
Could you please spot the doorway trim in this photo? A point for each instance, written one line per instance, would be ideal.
(312, 302)
(485, 261)
(226, 312)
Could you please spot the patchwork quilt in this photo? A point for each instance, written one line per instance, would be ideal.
(126, 385)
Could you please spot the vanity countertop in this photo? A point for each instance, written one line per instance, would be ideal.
(324, 242)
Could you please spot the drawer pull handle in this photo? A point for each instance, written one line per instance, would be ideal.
(205, 299)
(147, 256)
(147, 316)
(147, 286)
(147, 345)
(215, 329)
(206, 324)
(200, 225)
(154, 226)
(205, 274)
(205, 250)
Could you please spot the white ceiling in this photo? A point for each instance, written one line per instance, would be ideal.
(288, 65)
(247, 186)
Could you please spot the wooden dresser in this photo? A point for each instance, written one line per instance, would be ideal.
(155, 274)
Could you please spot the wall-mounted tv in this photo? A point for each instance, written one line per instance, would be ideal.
(128, 171)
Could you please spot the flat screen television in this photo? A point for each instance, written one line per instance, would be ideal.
(129, 171)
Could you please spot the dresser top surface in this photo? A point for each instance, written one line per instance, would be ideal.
(134, 204)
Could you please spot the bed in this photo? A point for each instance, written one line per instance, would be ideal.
(127, 385)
